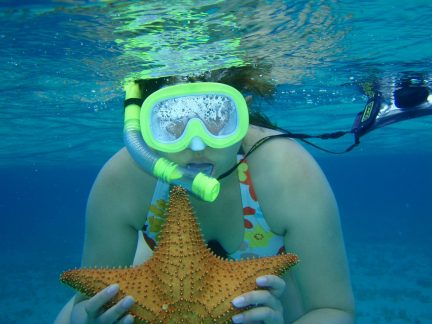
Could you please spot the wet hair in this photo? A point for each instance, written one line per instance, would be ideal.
(249, 80)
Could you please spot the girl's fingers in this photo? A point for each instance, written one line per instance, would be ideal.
(117, 311)
(257, 297)
(275, 284)
(259, 315)
(94, 305)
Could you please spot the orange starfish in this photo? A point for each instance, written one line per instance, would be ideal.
(183, 281)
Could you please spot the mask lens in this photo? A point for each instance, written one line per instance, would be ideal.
(219, 115)
(170, 117)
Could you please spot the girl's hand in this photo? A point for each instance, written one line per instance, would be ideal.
(93, 311)
(267, 307)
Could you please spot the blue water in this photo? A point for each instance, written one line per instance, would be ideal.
(385, 211)
(61, 119)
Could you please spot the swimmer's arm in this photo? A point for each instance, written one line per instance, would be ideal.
(326, 315)
(105, 237)
(303, 207)
(116, 211)
(113, 217)
(322, 275)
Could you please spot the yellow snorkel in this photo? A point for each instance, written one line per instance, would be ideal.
(203, 186)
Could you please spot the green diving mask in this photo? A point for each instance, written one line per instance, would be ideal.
(186, 115)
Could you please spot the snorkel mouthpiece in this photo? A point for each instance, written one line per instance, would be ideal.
(203, 186)
(193, 180)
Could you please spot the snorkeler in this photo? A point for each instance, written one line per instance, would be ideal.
(190, 134)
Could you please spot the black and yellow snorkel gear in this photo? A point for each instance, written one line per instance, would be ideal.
(406, 103)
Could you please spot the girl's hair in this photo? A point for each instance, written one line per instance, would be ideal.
(246, 79)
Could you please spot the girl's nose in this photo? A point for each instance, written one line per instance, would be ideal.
(197, 144)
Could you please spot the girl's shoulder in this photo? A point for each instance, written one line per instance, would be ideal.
(123, 184)
(123, 169)
(278, 153)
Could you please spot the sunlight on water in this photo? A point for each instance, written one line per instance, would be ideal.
(65, 62)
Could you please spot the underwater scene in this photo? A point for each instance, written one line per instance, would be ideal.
(64, 65)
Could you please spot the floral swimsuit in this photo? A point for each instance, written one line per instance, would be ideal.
(258, 241)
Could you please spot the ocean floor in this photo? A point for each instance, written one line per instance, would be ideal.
(392, 284)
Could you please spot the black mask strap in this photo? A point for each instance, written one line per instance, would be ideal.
(133, 101)
(301, 137)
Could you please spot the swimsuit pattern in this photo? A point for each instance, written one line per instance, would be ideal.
(258, 239)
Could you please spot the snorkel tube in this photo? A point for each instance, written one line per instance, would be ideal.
(196, 182)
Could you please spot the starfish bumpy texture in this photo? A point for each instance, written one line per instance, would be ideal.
(183, 282)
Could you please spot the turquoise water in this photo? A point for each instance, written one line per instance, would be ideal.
(61, 118)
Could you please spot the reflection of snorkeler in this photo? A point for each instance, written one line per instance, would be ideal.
(279, 199)
(408, 99)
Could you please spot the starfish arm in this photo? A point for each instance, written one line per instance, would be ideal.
(230, 279)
